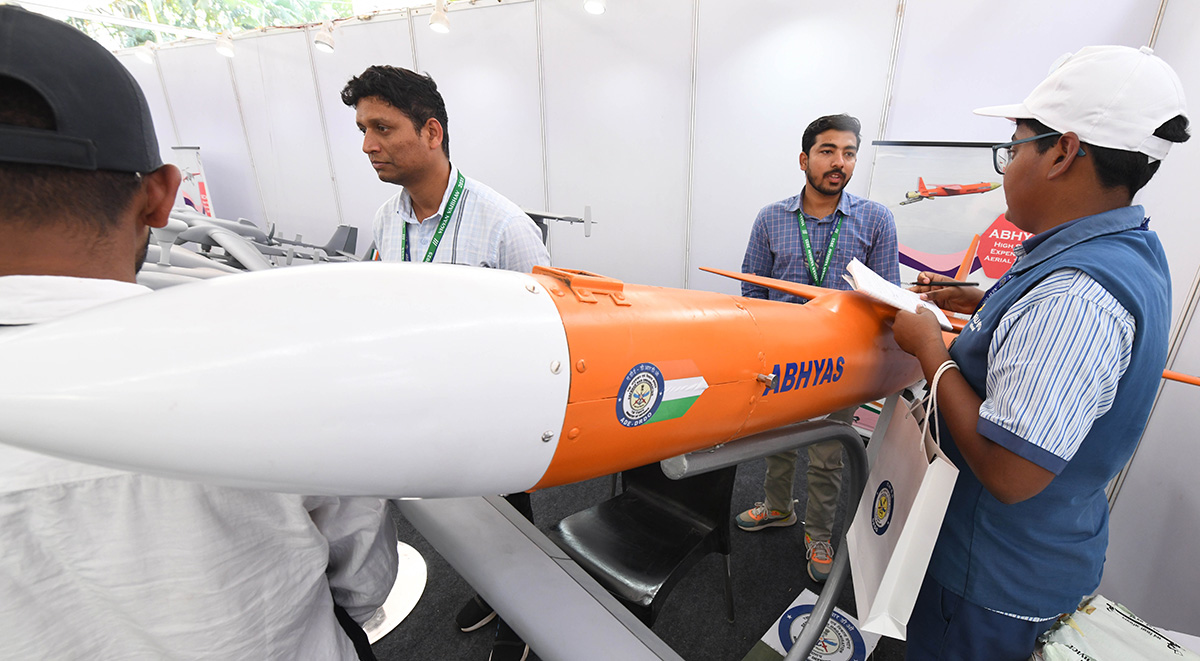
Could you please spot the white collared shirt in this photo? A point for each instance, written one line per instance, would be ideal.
(485, 230)
(98, 563)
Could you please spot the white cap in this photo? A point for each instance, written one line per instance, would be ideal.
(1110, 96)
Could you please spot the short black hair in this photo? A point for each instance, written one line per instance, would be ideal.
(842, 122)
(1117, 167)
(413, 94)
(45, 194)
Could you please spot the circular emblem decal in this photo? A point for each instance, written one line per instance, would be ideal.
(881, 513)
(840, 641)
(641, 393)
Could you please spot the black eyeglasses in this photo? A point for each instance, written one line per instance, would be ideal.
(1002, 153)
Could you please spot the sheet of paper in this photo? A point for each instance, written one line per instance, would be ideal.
(863, 279)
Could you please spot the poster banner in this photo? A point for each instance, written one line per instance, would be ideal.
(841, 641)
(193, 191)
(948, 202)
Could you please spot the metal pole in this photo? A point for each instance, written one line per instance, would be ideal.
(821, 611)
(793, 436)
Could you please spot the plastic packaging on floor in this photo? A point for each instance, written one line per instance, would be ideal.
(1101, 630)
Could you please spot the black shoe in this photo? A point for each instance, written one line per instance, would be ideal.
(508, 645)
(475, 614)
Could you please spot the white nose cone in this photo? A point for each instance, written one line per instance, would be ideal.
(354, 379)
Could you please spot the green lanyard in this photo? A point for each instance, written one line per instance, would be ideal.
(451, 205)
(808, 251)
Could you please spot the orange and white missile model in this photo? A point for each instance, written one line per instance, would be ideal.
(432, 381)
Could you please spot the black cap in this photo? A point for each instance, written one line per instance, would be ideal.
(103, 122)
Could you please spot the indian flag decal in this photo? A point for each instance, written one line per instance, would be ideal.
(653, 393)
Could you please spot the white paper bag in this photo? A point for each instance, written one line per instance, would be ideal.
(898, 519)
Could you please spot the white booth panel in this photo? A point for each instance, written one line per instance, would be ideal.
(383, 40)
(1154, 531)
(1169, 197)
(199, 84)
(765, 71)
(618, 99)
(957, 56)
(283, 124)
(486, 70)
(146, 75)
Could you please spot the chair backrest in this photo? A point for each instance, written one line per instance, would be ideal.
(704, 498)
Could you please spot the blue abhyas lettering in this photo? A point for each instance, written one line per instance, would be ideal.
(794, 376)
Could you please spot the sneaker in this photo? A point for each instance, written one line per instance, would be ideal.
(820, 558)
(759, 517)
(508, 645)
(475, 614)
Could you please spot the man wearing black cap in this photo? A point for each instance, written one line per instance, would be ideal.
(1045, 393)
(101, 563)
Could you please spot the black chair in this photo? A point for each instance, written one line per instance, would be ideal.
(641, 542)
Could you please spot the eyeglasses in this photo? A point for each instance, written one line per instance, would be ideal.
(1002, 154)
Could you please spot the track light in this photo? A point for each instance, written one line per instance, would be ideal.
(324, 39)
(438, 21)
(595, 6)
(225, 45)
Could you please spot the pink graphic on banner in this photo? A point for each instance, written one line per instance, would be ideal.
(995, 252)
(206, 208)
(946, 265)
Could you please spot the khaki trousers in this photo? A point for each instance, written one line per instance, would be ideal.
(824, 482)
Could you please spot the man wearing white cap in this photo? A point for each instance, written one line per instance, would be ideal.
(1045, 394)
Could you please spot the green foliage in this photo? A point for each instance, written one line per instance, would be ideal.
(213, 16)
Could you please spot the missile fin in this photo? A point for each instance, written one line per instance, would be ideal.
(803, 291)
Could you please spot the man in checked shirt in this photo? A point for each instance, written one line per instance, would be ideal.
(810, 238)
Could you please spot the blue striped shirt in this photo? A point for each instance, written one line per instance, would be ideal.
(1067, 340)
(776, 250)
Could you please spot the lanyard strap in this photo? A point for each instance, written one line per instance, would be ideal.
(451, 205)
(808, 251)
(996, 287)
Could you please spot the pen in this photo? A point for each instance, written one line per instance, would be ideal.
(943, 283)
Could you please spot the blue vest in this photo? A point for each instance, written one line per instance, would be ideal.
(1040, 556)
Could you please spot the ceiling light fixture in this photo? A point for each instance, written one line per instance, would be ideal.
(595, 6)
(324, 39)
(225, 44)
(438, 21)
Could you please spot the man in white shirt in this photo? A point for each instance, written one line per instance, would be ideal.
(440, 215)
(101, 563)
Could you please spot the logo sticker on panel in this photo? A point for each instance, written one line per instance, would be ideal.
(650, 394)
(881, 512)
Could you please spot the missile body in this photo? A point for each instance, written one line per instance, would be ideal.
(405, 380)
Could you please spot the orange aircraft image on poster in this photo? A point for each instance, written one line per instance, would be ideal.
(924, 192)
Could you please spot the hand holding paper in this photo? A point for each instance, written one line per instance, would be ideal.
(863, 279)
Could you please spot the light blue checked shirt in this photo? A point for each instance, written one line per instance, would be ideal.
(486, 230)
(776, 251)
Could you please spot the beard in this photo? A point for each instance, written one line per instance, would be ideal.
(827, 188)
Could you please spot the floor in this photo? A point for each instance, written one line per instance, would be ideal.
(768, 574)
